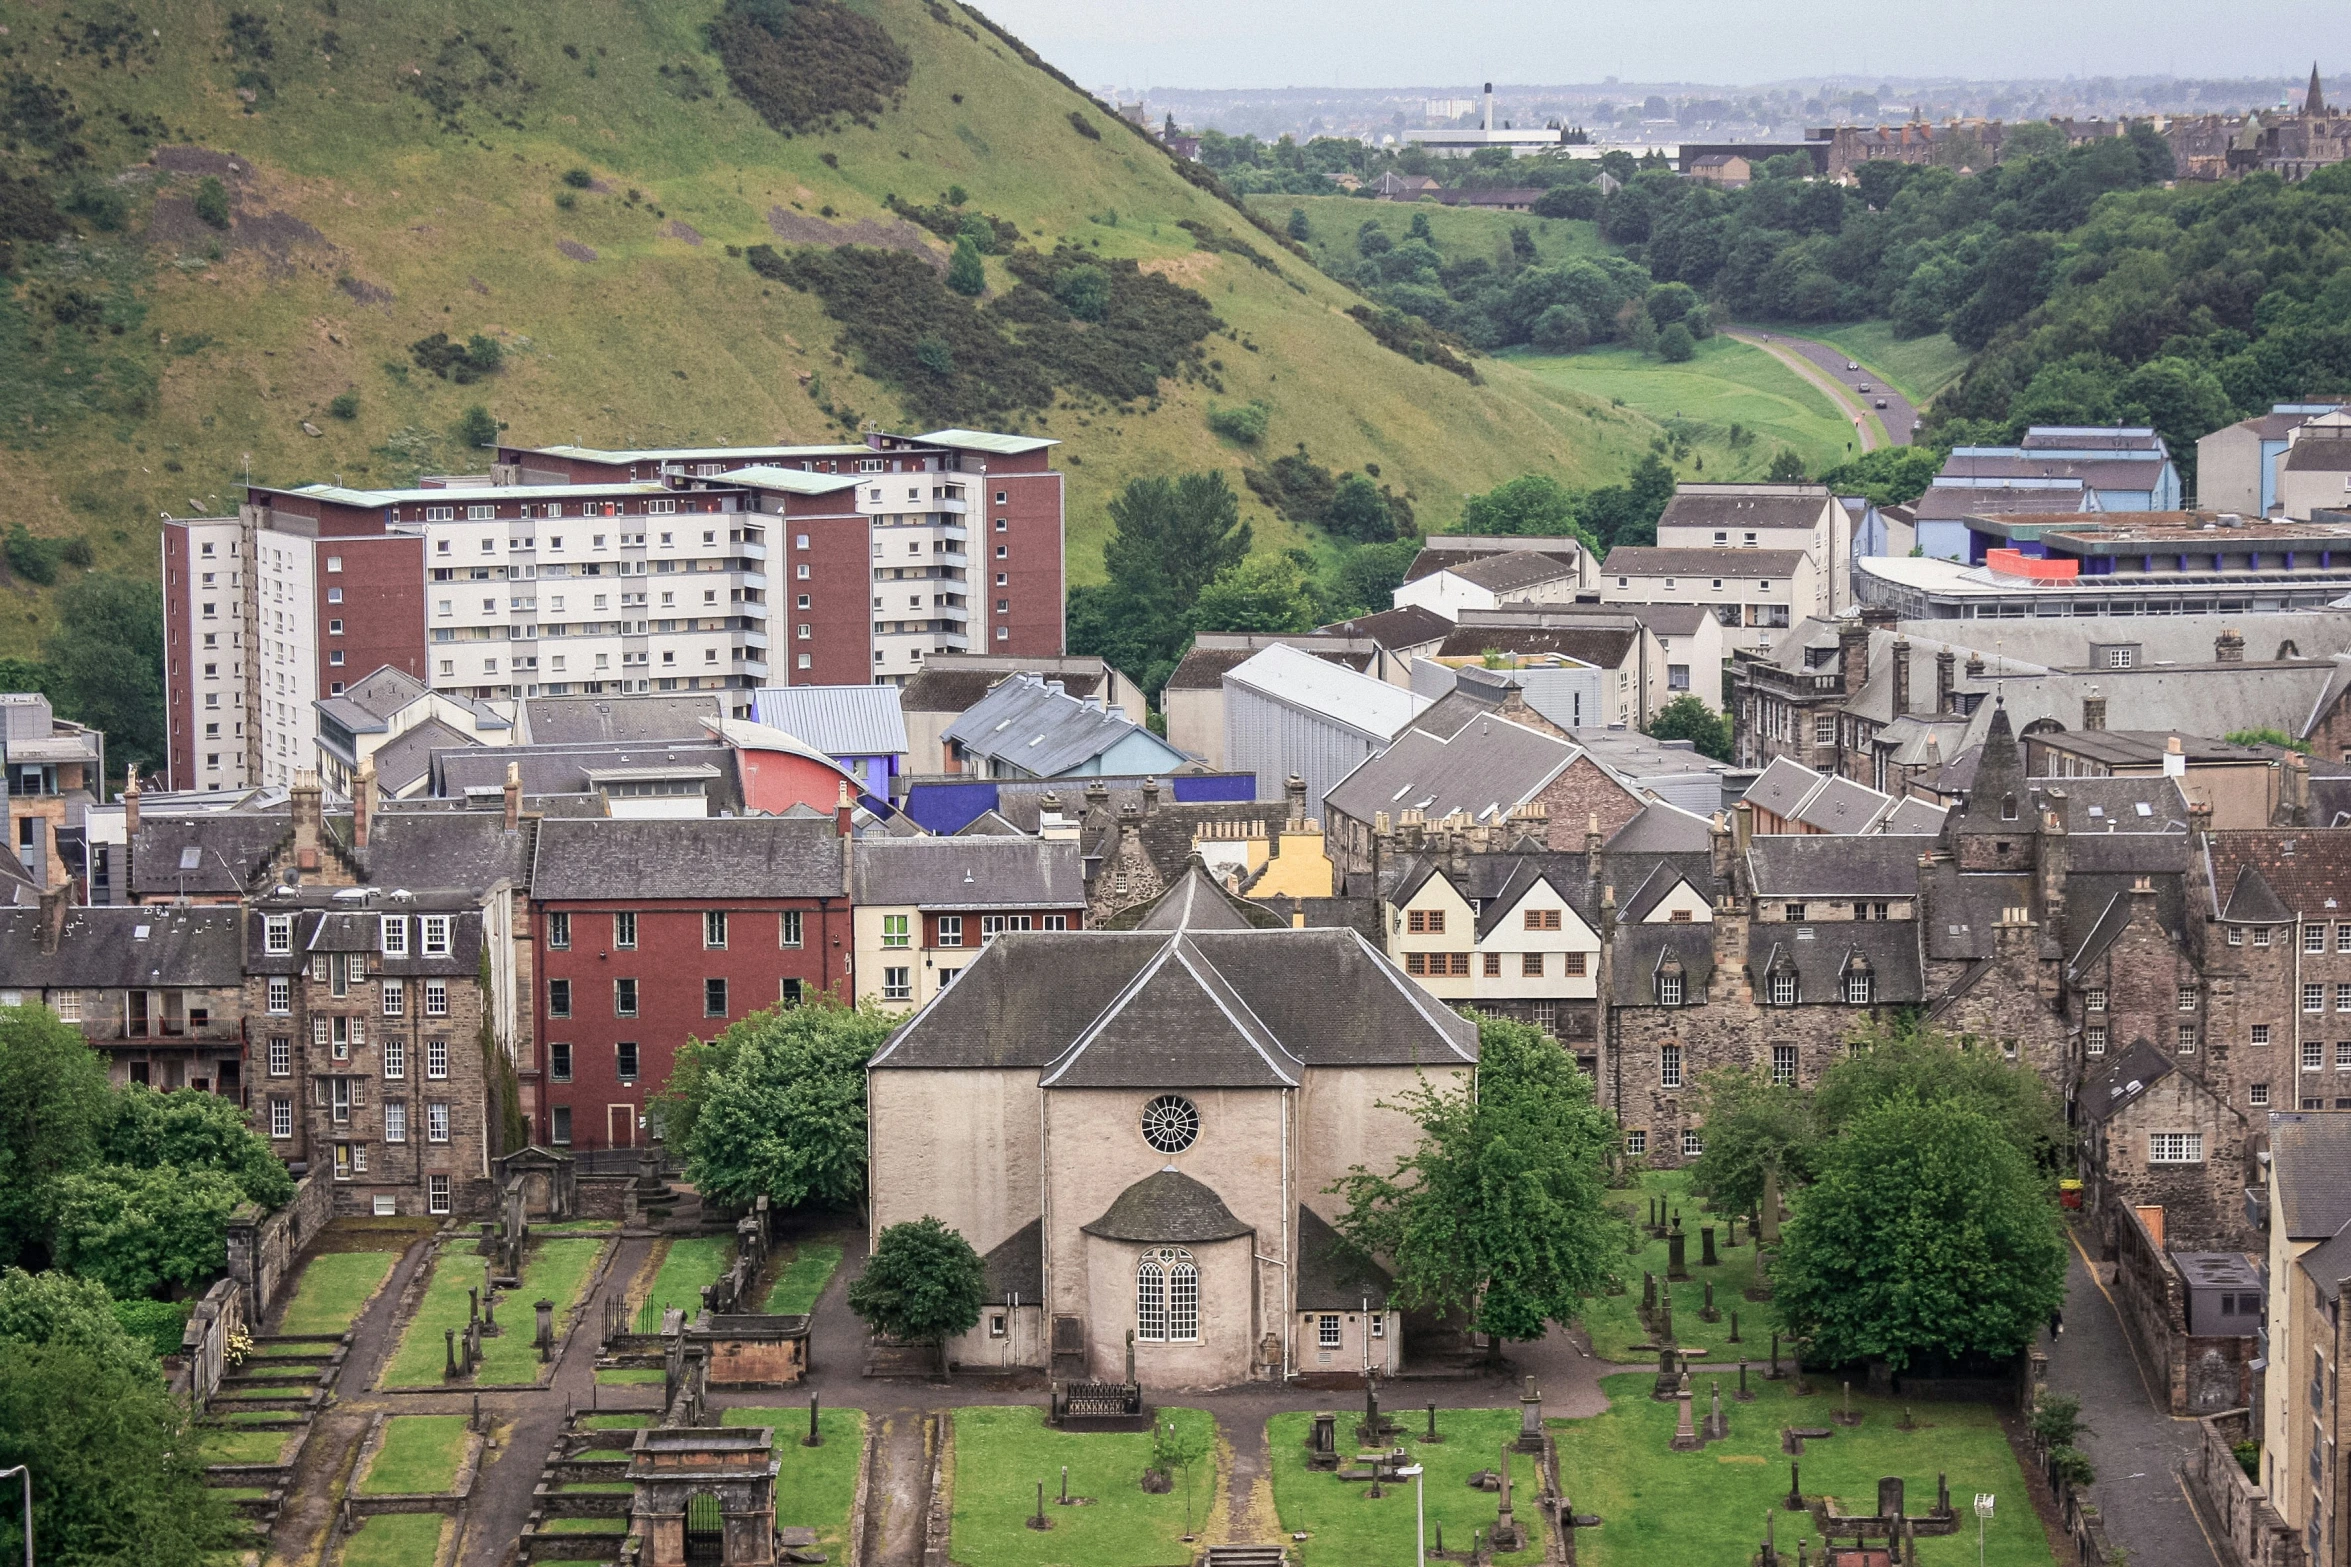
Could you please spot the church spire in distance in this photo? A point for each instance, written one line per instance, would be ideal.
(2315, 102)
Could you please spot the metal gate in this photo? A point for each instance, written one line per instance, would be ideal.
(706, 1533)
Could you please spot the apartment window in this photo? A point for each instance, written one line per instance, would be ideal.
(2175, 1147)
(395, 1120)
(559, 1063)
(1530, 965)
(559, 998)
(1669, 990)
(950, 930)
(898, 984)
(2314, 938)
(560, 1126)
(338, 1098)
(2187, 1039)
(436, 1058)
(277, 933)
(1794, 913)
(395, 998)
(281, 994)
(894, 930)
(2257, 1094)
(1493, 965)
(1546, 1018)
(2343, 1055)
(2094, 1000)
(2314, 998)
(395, 1057)
(433, 931)
(624, 930)
(2094, 1040)
(624, 998)
(714, 998)
(1783, 989)
(281, 1118)
(2187, 997)
(1783, 1064)
(1573, 964)
(1428, 922)
(714, 928)
(436, 1194)
(281, 1056)
(788, 929)
(436, 998)
(2261, 935)
(1669, 1066)
(1326, 1331)
(1857, 988)
(1542, 919)
(393, 933)
(1636, 1142)
(2314, 1055)
(2343, 938)
(1824, 731)
(2260, 1034)
(2343, 998)
(2236, 935)
(624, 1057)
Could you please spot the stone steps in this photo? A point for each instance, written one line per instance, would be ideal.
(1245, 1556)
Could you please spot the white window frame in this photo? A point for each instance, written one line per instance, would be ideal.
(436, 1059)
(395, 1057)
(2175, 1147)
(277, 934)
(433, 934)
(394, 935)
(395, 1120)
(436, 1121)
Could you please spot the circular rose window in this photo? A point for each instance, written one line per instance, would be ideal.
(1170, 1123)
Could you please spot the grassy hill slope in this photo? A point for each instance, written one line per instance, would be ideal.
(396, 169)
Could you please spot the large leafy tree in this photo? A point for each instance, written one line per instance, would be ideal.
(106, 661)
(1751, 1121)
(775, 1106)
(1687, 718)
(55, 1106)
(1533, 504)
(139, 1231)
(923, 1284)
(1170, 538)
(1262, 593)
(1497, 1215)
(1934, 1069)
(195, 1130)
(1927, 1234)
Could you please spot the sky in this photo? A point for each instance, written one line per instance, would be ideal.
(1392, 43)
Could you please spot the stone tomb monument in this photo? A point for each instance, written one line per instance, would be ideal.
(705, 1496)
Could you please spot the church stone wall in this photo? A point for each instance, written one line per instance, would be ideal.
(1229, 1316)
(961, 1146)
(1342, 1123)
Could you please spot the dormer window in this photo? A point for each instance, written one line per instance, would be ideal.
(1669, 990)
(1783, 988)
(2008, 807)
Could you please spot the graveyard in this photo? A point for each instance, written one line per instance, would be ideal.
(1346, 1523)
(553, 1270)
(1002, 1455)
(1615, 1322)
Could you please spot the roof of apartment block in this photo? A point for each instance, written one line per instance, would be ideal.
(696, 858)
(1515, 570)
(1652, 561)
(1445, 552)
(568, 720)
(1741, 506)
(1411, 625)
(125, 947)
(1486, 767)
(1038, 726)
(975, 873)
(837, 720)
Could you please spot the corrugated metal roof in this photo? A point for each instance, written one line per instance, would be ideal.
(477, 495)
(837, 720)
(1370, 707)
(986, 441)
(792, 481)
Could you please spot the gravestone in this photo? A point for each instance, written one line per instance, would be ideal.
(1508, 1536)
(1706, 1257)
(1718, 1424)
(1322, 1443)
(1734, 1327)
(1707, 1313)
(1767, 1217)
(814, 1438)
(1845, 1415)
(1530, 1419)
(544, 1334)
(1648, 1292)
(1890, 1499)
(1771, 1555)
(1775, 1373)
(1685, 1435)
(1795, 1500)
(1743, 1395)
(1431, 1434)
(1677, 1265)
(1665, 1331)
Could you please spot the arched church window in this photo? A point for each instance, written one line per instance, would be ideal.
(1167, 1296)
(1171, 1123)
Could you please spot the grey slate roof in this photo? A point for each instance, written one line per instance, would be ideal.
(987, 872)
(1204, 668)
(407, 757)
(1333, 1275)
(1912, 817)
(1593, 644)
(1951, 502)
(1177, 1024)
(943, 688)
(1038, 727)
(837, 720)
(2129, 1073)
(1659, 828)
(697, 857)
(2251, 898)
(1840, 805)
(621, 720)
(1444, 553)
(1710, 506)
(1197, 903)
(215, 852)
(1487, 767)
(1654, 561)
(1323, 997)
(1168, 1208)
(2310, 1161)
(1642, 950)
(1507, 573)
(120, 947)
(440, 849)
(567, 768)
(1783, 785)
(1413, 625)
(1889, 949)
(1016, 1265)
(1788, 865)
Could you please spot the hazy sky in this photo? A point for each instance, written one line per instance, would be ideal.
(1392, 43)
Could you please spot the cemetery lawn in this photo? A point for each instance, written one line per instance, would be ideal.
(419, 1453)
(630, 1376)
(802, 1278)
(1614, 1321)
(687, 1264)
(1346, 1528)
(1661, 1508)
(395, 1540)
(1002, 1453)
(816, 1487)
(223, 1445)
(554, 1270)
(334, 1289)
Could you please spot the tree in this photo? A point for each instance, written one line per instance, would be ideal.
(1169, 539)
(1786, 468)
(1889, 476)
(1497, 1215)
(965, 274)
(1179, 1441)
(212, 202)
(1300, 229)
(193, 1130)
(1262, 593)
(140, 1231)
(1688, 718)
(1675, 345)
(475, 428)
(1533, 504)
(55, 1104)
(1084, 291)
(1751, 1121)
(1358, 511)
(922, 1284)
(106, 657)
(1242, 422)
(1933, 1069)
(1927, 1235)
(775, 1107)
(58, 1308)
(1627, 513)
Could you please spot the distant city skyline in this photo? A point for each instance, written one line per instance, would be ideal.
(1216, 44)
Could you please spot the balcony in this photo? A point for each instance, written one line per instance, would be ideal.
(751, 551)
(1804, 683)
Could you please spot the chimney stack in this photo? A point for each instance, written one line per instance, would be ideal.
(2228, 647)
(1150, 795)
(1295, 787)
(55, 901)
(2295, 790)
(1901, 677)
(1945, 681)
(1852, 656)
(2175, 760)
(2093, 710)
(363, 802)
(1489, 120)
(513, 795)
(1975, 666)
(130, 802)
(304, 798)
(844, 812)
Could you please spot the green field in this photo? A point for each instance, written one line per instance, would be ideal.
(802, 1278)
(419, 1453)
(1347, 1528)
(1614, 1321)
(223, 1445)
(1459, 233)
(1728, 383)
(555, 1270)
(1917, 367)
(687, 1264)
(1661, 1508)
(334, 1288)
(1002, 1454)
(816, 1487)
(395, 1540)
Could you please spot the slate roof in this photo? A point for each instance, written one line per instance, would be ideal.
(620, 720)
(837, 720)
(1953, 502)
(2128, 1074)
(1320, 997)
(569, 768)
(2109, 806)
(407, 758)
(2310, 1163)
(1653, 561)
(1016, 1265)
(121, 947)
(1841, 806)
(2328, 1264)
(1036, 726)
(695, 857)
(1333, 1275)
(1515, 570)
(211, 853)
(1441, 554)
(2295, 870)
(944, 689)
(422, 850)
(1744, 506)
(1962, 909)
(1168, 1208)
(1196, 902)
(1487, 767)
(368, 702)
(2319, 456)
(1594, 645)
(2122, 471)
(1822, 959)
(2114, 917)
(1641, 950)
(1782, 786)
(1912, 817)
(1796, 866)
(1564, 874)
(969, 873)
(1412, 625)
(1177, 1024)
(1659, 828)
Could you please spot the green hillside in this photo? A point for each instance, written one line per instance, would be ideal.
(396, 168)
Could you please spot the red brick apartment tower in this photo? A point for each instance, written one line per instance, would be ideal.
(820, 580)
(1021, 574)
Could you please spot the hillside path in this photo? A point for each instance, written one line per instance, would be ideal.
(1824, 367)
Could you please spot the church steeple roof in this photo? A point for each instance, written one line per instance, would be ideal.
(1996, 800)
(2315, 102)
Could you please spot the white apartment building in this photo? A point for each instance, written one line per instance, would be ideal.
(205, 653)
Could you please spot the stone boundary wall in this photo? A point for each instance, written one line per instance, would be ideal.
(263, 1248)
(2251, 1534)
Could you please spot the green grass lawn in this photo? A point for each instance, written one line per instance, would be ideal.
(1001, 1454)
(630, 1376)
(225, 1446)
(555, 1270)
(803, 1278)
(1917, 367)
(1614, 1321)
(419, 1453)
(1728, 383)
(1459, 233)
(576, 1227)
(619, 1422)
(395, 1540)
(815, 1486)
(1661, 1508)
(334, 1288)
(1348, 1529)
(687, 1264)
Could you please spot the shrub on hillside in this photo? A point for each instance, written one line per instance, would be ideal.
(1243, 422)
(805, 64)
(463, 363)
(1083, 126)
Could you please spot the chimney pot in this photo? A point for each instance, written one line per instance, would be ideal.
(363, 802)
(130, 803)
(513, 795)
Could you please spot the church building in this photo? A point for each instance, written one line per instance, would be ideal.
(1136, 1130)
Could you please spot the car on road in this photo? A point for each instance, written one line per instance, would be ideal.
(1851, 365)
(1880, 403)
(1863, 387)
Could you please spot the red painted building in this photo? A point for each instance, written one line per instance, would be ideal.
(649, 933)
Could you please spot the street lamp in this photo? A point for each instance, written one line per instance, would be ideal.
(1420, 1514)
(25, 1473)
(1983, 1514)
